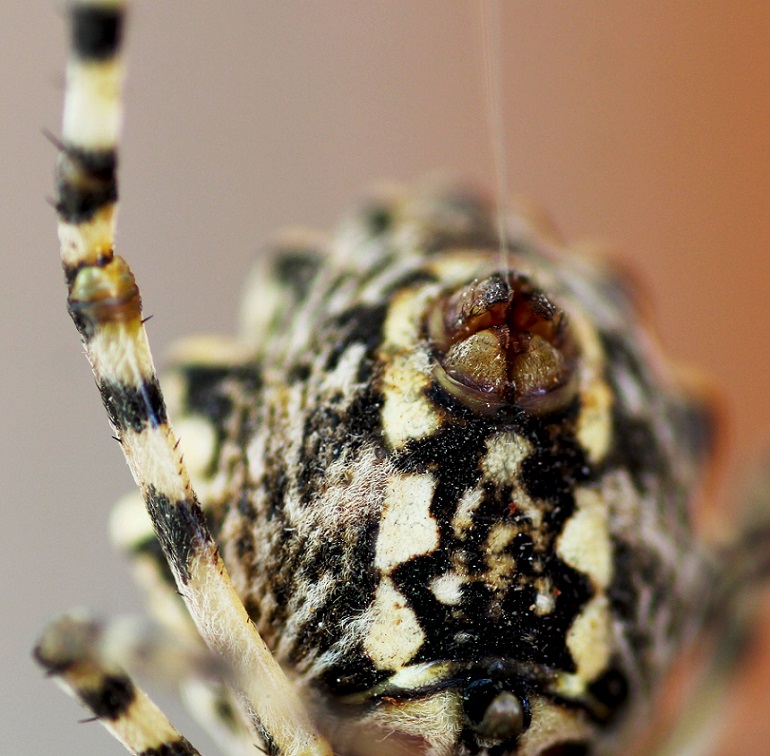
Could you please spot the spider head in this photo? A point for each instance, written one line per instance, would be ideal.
(500, 343)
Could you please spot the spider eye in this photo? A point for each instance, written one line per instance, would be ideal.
(501, 342)
(493, 711)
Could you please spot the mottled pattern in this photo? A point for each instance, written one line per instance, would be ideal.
(393, 546)
(451, 482)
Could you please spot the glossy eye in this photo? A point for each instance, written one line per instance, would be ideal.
(501, 342)
(494, 712)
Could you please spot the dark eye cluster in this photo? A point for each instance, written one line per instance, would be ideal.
(502, 343)
(496, 709)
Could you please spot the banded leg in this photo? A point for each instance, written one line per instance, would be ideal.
(105, 305)
(208, 699)
(210, 388)
(70, 651)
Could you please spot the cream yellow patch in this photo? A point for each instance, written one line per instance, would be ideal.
(210, 350)
(500, 535)
(594, 424)
(394, 635)
(92, 112)
(462, 522)
(464, 266)
(551, 725)
(174, 389)
(87, 241)
(130, 523)
(585, 541)
(407, 527)
(447, 588)
(528, 508)
(407, 413)
(505, 453)
(499, 564)
(197, 440)
(119, 352)
(392, 729)
(345, 375)
(589, 639)
(152, 455)
(545, 601)
(413, 676)
(402, 325)
(544, 604)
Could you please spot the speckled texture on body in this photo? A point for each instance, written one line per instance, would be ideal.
(399, 550)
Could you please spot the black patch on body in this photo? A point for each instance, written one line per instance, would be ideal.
(377, 218)
(112, 698)
(178, 748)
(332, 431)
(134, 407)
(350, 594)
(409, 281)
(362, 417)
(361, 324)
(298, 373)
(637, 449)
(205, 394)
(633, 566)
(296, 270)
(512, 630)
(611, 691)
(620, 352)
(208, 394)
(96, 32)
(699, 427)
(574, 748)
(354, 673)
(85, 183)
(181, 528)
(275, 484)
(635, 569)
(212, 391)
(324, 440)
(244, 546)
(636, 446)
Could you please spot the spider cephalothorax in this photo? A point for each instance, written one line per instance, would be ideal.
(443, 481)
(454, 541)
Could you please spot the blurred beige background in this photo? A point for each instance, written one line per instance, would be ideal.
(642, 123)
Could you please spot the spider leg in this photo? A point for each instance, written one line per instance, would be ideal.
(210, 700)
(734, 611)
(105, 305)
(70, 651)
(209, 386)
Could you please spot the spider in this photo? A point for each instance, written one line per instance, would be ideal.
(442, 492)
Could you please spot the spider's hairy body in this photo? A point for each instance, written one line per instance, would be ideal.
(393, 546)
(443, 495)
